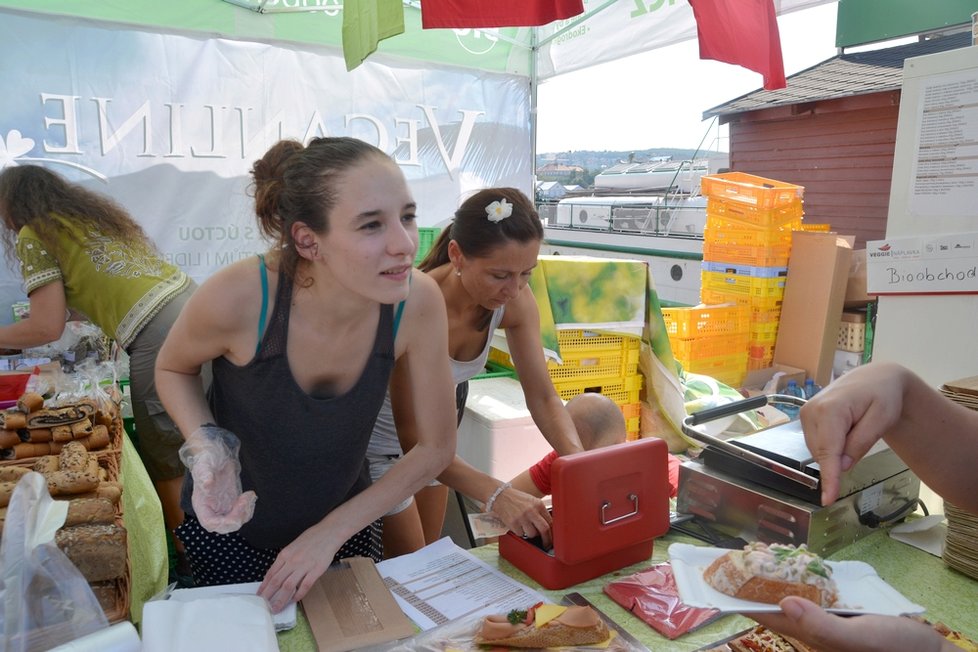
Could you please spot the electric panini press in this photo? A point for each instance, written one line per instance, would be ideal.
(765, 487)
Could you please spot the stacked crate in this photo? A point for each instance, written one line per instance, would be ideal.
(746, 245)
(710, 340)
(595, 361)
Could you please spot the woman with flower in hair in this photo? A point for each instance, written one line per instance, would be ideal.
(482, 264)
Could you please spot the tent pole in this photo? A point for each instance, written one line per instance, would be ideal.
(534, 52)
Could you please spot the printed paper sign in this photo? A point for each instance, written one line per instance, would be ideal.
(930, 264)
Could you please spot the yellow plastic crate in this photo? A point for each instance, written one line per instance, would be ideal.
(705, 321)
(709, 347)
(728, 369)
(750, 189)
(760, 304)
(571, 341)
(763, 332)
(631, 410)
(586, 355)
(751, 286)
(622, 390)
(815, 226)
(747, 215)
(773, 256)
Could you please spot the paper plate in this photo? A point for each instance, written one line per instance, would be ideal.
(861, 590)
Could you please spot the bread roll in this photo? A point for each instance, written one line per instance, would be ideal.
(30, 402)
(14, 420)
(569, 627)
(8, 439)
(81, 428)
(769, 573)
(66, 483)
(25, 450)
(61, 434)
(74, 457)
(40, 435)
(88, 511)
(47, 464)
(99, 551)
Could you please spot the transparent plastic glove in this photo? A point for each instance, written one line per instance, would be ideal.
(211, 454)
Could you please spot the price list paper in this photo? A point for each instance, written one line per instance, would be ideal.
(442, 582)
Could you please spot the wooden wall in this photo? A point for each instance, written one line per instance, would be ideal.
(840, 150)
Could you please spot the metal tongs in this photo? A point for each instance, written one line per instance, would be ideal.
(736, 407)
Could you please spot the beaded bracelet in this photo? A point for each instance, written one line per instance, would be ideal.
(492, 499)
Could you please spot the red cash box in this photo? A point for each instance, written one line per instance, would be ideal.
(609, 504)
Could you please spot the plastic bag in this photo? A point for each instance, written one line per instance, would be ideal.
(652, 596)
(45, 599)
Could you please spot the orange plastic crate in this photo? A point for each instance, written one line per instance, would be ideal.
(723, 232)
(747, 215)
(773, 256)
(759, 363)
(750, 189)
(705, 321)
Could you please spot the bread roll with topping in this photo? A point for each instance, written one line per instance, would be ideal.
(544, 626)
(768, 573)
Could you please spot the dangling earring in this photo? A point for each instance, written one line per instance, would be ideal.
(458, 272)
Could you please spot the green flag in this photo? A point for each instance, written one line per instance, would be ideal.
(365, 24)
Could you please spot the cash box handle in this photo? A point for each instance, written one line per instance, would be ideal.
(606, 504)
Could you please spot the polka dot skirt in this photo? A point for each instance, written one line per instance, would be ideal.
(229, 559)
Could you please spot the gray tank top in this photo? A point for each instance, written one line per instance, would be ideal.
(302, 455)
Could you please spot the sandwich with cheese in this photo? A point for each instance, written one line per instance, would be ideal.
(544, 625)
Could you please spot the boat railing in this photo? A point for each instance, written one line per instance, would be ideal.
(672, 221)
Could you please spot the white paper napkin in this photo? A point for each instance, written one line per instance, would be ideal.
(230, 622)
(927, 533)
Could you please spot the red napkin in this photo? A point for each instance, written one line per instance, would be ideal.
(652, 596)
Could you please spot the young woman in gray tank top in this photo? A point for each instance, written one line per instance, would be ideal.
(299, 377)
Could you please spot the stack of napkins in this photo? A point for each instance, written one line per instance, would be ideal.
(229, 617)
(961, 547)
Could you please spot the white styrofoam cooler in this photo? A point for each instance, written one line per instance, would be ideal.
(497, 434)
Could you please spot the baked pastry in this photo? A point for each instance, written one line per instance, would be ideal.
(544, 625)
(762, 639)
(768, 573)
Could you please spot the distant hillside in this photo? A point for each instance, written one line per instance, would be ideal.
(595, 161)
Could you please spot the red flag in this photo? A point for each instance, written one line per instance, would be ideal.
(496, 13)
(744, 33)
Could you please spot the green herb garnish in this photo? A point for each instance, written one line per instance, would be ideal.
(816, 567)
(516, 616)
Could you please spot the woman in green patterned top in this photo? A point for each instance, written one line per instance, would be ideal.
(80, 250)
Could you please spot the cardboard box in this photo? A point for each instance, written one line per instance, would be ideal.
(758, 378)
(814, 293)
(856, 296)
(350, 607)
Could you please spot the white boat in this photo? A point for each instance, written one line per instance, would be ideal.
(679, 176)
(665, 231)
(655, 214)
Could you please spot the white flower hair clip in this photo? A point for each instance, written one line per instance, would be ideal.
(498, 211)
